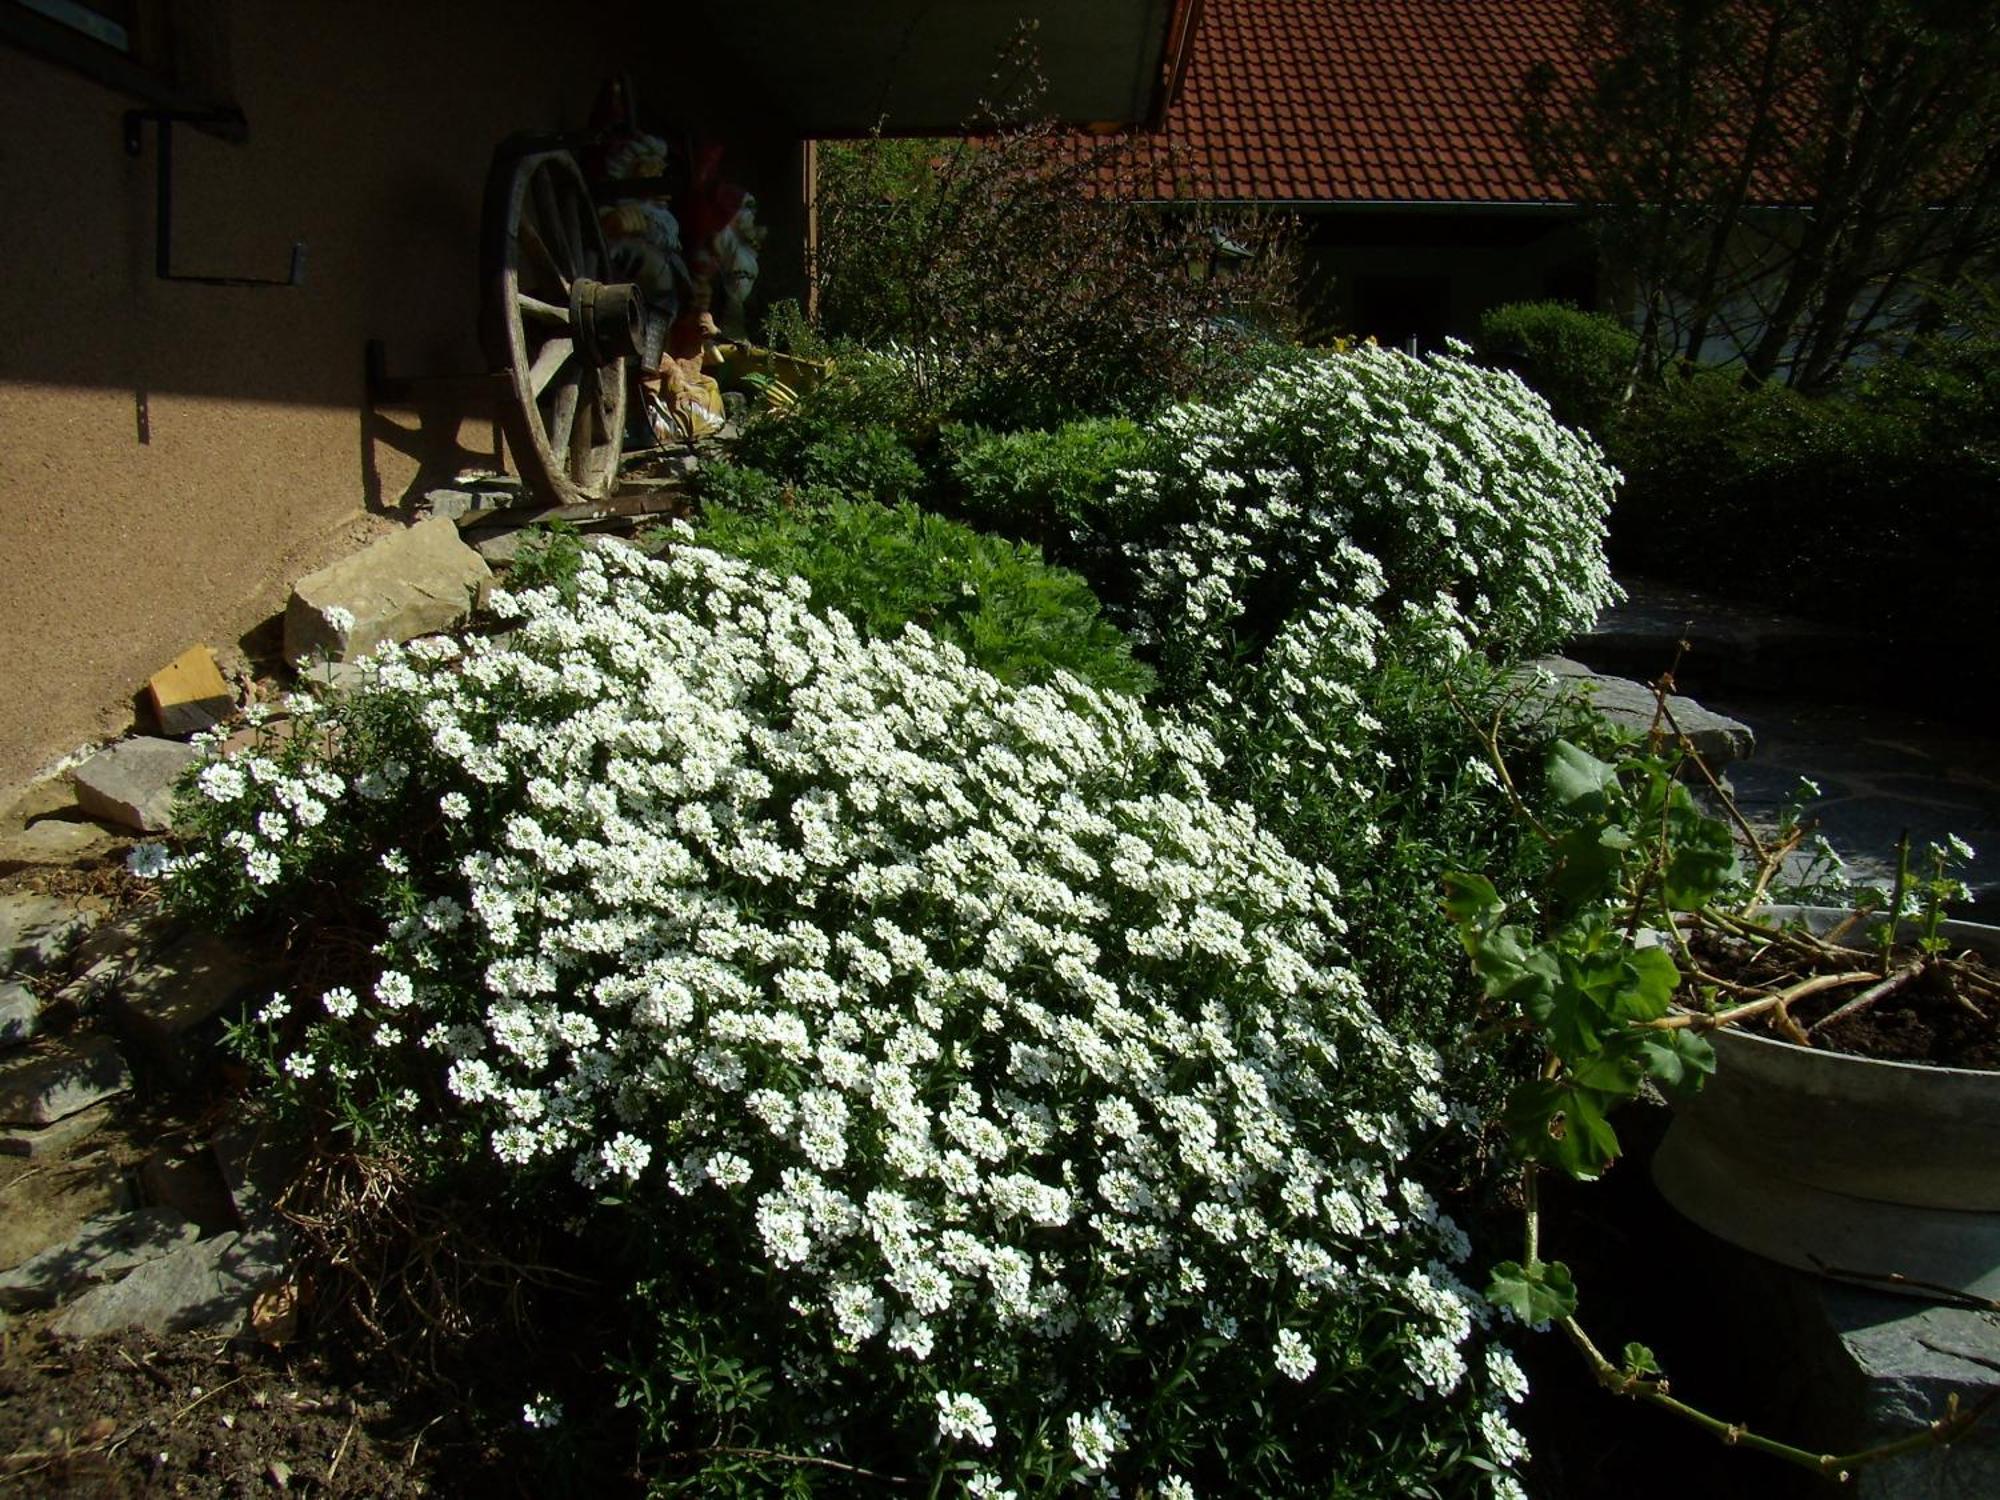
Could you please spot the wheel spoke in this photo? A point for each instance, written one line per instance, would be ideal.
(533, 308)
(562, 420)
(581, 449)
(554, 225)
(543, 257)
(548, 360)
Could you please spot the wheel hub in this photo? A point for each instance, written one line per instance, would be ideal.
(605, 317)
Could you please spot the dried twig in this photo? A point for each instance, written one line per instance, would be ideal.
(767, 1455)
(207, 1396)
(1702, 1021)
(1869, 996)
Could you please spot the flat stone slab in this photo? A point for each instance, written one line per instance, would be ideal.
(1905, 1359)
(55, 841)
(132, 782)
(37, 931)
(500, 548)
(58, 1138)
(413, 582)
(158, 999)
(102, 1250)
(20, 1013)
(39, 1090)
(1631, 705)
(207, 1284)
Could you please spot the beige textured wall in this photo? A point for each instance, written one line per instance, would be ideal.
(371, 127)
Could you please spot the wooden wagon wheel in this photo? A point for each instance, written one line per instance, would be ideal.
(555, 326)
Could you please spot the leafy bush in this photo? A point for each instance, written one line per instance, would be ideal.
(1582, 362)
(1359, 489)
(1026, 260)
(857, 431)
(1010, 612)
(1878, 501)
(1043, 485)
(992, 1100)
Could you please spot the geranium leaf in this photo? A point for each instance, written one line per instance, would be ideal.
(1537, 1293)
(1577, 779)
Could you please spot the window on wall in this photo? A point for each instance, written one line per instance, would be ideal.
(172, 54)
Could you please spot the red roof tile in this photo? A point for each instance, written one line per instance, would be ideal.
(1407, 101)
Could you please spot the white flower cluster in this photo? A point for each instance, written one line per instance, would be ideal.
(968, 1004)
(1434, 485)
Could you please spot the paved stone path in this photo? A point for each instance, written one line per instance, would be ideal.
(1882, 767)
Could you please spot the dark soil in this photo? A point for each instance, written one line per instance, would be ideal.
(196, 1415)
(1943, 1011)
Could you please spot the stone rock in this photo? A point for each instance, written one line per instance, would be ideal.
(20, 1012)
(139, 931)
(411, 583)
(36, 931)
(56, 841)
(1893, 1362)
(131, 783)
(1630, 705)
(326, 677)
(255, 1167)
(56, 1139)
(501, 547)
(192, 1185)
(43, 1088)
(103, 1249)
(451, 504)
(159, 1000)
(207, 1284)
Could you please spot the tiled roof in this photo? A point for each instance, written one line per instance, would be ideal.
(1402, 101)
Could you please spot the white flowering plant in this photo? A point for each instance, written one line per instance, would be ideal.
(995, 1103)
(1366, 481)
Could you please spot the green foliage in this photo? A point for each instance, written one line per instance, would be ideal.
(549, 556)
(857, 431)
(1048, 487)
(1537, 1293)
(996, 600)
(1631, 849)
(1581, 362)
(1878, 500)
(1026, 267)
(788, 330)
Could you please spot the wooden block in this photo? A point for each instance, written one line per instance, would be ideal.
(189, 694)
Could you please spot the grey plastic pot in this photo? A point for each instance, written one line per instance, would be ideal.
(1845, 1165)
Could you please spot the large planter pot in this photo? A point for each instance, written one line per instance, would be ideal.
(1845, 1164)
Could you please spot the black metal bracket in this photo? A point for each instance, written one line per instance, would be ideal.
(230, 125)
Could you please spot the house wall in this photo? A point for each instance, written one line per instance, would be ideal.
(172, 456)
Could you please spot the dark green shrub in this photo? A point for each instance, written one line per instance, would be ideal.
(872, 463)
(1029, 262)
(1874, 504)
(857, 429)
(1042, 485)
(998, 601)
(1581, 362)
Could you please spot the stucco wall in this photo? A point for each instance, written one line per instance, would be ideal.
(371, 126)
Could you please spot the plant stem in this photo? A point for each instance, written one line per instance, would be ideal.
(1531, 1214)
(770, 1456)
(1699, 1021)
(1728, 802)
(1833, 1466)
(1870, 995)
(1895, 918)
